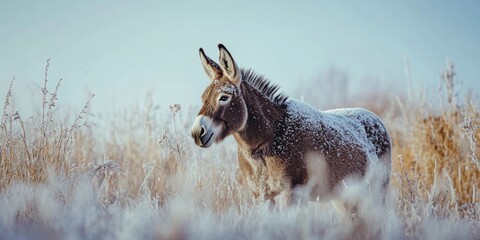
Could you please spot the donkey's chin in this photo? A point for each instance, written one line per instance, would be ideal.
(213, 138)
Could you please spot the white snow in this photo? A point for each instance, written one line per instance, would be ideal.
(348, 123)
(230, 89)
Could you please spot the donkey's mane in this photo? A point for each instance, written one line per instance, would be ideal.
(264, 86)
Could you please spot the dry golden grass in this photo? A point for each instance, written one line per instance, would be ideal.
(438, 148)
(146, 165)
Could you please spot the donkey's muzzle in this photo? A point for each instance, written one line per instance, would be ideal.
(203, 140)
(201, 133)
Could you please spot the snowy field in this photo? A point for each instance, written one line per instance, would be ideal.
(138, 175)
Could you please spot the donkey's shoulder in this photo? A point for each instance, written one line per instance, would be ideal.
(303, 114)
(299, 109)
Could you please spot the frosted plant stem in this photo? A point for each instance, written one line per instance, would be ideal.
(469, 131)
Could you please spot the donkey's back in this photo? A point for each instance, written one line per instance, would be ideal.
(334, 144)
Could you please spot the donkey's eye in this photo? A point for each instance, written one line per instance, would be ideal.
(224, 98)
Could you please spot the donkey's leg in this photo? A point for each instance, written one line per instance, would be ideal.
(288, 197)
(386, 160)
(292, 198)
(384, 173)
(272, 204)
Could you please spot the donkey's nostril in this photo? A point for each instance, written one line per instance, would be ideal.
(202, 132)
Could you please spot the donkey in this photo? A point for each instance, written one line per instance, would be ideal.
(284, 144)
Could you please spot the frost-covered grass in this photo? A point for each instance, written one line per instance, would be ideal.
(144, 178)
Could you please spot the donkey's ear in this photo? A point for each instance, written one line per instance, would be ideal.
(228, 65)
(211, 68)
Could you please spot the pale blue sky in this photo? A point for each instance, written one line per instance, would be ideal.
(119, 50)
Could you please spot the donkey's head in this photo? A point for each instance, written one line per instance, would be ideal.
(224, 110)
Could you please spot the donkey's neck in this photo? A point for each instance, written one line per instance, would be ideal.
(263, 116)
